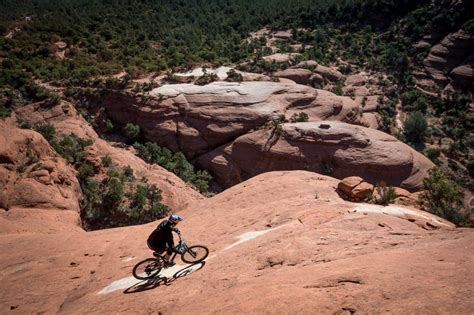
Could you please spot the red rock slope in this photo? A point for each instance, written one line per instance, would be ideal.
(282, 242)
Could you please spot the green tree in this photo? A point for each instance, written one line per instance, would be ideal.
(132, 132)
(114, 193)
(443, 197)
(414, 128)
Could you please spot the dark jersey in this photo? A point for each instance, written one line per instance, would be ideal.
(162, 236)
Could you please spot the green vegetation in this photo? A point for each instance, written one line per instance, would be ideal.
(299, 117)
(234, 76)
(206, 78)
(444, 198)
(174, 162)
(131, 132)
(414, 128)
(107, 201)
(384, 194)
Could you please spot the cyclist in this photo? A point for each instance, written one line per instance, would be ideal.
(161, 238)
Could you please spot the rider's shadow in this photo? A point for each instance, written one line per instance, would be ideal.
(160, 280)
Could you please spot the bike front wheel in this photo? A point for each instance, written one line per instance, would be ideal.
(147, 268)
(195, 254)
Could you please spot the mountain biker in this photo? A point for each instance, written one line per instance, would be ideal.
(161, 238)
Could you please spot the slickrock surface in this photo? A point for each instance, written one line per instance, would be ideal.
(33, 175)
(328, 146)
(282, 242)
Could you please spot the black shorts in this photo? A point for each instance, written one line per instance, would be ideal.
(160, 248)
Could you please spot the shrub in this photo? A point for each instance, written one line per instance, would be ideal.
(47, 131)
(384, 194)
(206, 78)
(414, 101)
(176, 163)
(234, 76)
(337, 89)
(433, 154)
(300, 117)
(106, 161)
(114, 193)
(132, 132)
(127, 174)
(86, 170)
(415, 128)
(345, 69)
(109, 126)
(443, 197)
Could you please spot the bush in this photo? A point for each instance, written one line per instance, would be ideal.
(345, 69)
(233, 76)
(414, 101)
(206, 78)
(443, 197)
(300, 117)
(106, 161)
(86, 170)
(132, 132)
(47, 131)
(433, 154)
(414, 128)
(384, 194)
(176, 163)
(114, 193)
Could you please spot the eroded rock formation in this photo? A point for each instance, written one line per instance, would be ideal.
(331, 147)
(196, 119)
(452, 57)
(33, 175)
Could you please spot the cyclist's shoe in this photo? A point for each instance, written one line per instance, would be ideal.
(156, 254)
(168, 264)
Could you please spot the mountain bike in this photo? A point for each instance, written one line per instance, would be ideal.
(151, 267)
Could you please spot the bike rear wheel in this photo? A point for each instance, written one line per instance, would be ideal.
(147, 268)
(195, 254)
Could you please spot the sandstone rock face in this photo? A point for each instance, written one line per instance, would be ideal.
(356, 80)
(329, 73)
(449, 53)
(196, 119)
(282, 242)
(64, 117)
(32, 175)
(327, 146)
(300, 76)
(281, 57)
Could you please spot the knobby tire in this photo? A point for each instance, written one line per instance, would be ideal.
(195, 254)
(147, 269)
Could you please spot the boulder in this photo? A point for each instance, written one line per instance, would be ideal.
(300, 76)
(349, 183)
(362, 191)
(331, 147)
(328, 73)
(307, 64)
(317, 78)
(370, 120)
(356, 80)
(448, 54)
(281, 57)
